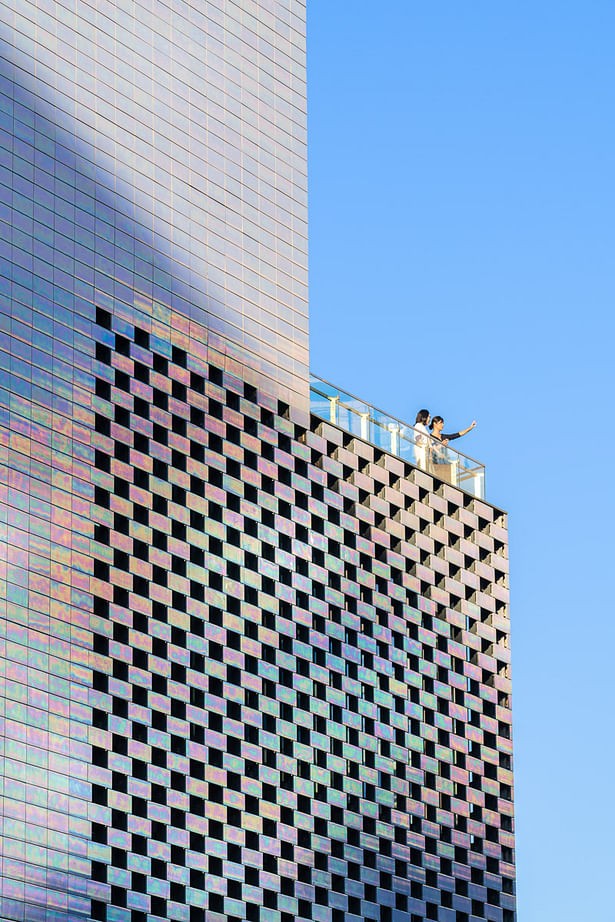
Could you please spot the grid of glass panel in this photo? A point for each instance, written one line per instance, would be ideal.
(189, 121)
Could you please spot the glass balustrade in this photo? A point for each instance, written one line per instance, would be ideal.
(392, 435)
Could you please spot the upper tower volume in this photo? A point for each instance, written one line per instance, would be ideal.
(190, 119)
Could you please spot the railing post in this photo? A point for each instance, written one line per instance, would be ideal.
(394, 430)
(333, 401)
(454, 472)
(365, 425)
(479, 484)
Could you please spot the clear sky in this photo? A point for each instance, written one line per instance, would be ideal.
(462, 243)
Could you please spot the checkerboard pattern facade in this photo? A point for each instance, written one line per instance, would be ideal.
(275, 659)
(311, 679)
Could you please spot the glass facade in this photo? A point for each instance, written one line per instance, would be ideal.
(172, 137)
(252, 667)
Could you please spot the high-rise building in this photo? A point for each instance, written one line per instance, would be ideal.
(254, 662)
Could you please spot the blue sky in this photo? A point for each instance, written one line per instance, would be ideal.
(462, 240)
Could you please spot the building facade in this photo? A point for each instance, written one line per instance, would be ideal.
(253, 666)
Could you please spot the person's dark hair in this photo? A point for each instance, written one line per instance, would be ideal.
(436, 419)
(421, 417)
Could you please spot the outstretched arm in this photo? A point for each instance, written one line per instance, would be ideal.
(470, 427)
(456, 435)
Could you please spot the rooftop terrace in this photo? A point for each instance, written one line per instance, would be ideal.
(392, 435)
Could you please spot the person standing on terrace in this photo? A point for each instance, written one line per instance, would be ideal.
(440, 439)
(422, 438)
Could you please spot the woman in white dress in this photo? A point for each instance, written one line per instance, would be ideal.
(422, 438)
